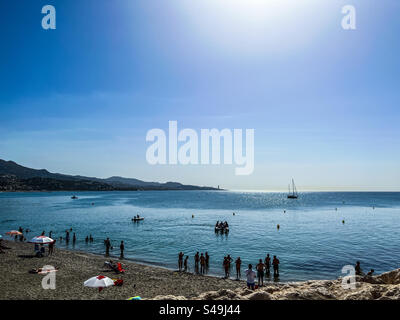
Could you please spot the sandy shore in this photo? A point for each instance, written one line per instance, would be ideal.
(76, 267)
(158, 283)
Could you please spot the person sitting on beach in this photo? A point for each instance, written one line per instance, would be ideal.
(185, 263)
(370, 273)
(180, 260)
(251, 276)
(275, 265)
(238, 262)
(202, 263)
(260, 273)
(267, 263)
(358, 269)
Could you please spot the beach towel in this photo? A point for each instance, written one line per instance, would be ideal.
(120, 268)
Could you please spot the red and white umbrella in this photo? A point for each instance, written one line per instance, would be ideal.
(42, 240)
(99, 282)
(13, 233)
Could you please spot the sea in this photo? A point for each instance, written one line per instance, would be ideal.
(319, 233)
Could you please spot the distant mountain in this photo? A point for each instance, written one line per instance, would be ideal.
(14, 177)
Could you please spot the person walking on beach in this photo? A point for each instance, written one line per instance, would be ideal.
(202, 263)
(196, 261)
(275, 264)
(185, 264)
(180, 260)
(122, 248)
(251, 276)
(267, 265)
(260, 273)
(238, 263)
(51, 247)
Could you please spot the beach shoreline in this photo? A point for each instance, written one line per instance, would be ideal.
(151, 282)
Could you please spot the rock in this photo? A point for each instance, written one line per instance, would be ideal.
(260, 295)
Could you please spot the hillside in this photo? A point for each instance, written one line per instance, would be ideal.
(15, 177)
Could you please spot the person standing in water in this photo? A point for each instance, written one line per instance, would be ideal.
(108, 245)
(202, 263)
(180, 260)
(196, 261)
(267, 264)
(74, 239)
(185, 264)
(238, 263)
(122, 248)
(67, 236)
(275, 264)
(260, 273)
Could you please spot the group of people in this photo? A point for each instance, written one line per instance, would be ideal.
(108, 245)
(221, 225)
(201, 262)
(359, 272)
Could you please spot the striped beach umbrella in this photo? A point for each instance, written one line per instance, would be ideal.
(99, 282)
(13, 233)
(41, 240)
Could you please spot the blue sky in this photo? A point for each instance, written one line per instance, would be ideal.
(323, 101)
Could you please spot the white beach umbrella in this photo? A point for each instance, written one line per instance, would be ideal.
(42, 240)
(99, 282)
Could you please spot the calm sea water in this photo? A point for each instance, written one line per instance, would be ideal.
(312, 242)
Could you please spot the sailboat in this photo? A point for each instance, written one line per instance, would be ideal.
(292, 192)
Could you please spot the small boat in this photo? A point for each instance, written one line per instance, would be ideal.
(74, 197)
(138, 219)
(292, 193)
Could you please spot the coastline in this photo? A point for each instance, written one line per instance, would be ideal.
(150, 282)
